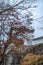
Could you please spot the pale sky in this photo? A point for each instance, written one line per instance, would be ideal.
(37, 12)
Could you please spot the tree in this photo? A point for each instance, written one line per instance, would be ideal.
(6, 12)
(13, 28)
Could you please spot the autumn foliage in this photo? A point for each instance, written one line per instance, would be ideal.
(32, 59)
(18, 42)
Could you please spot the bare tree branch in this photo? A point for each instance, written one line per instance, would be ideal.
(24, 8)
(10, 8)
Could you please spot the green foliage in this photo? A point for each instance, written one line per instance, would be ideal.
(40, 45)
(34, 62)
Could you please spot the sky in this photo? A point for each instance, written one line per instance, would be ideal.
(37, 13)
(38, 23)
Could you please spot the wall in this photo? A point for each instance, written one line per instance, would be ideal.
(38, 41)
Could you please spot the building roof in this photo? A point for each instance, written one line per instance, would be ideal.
(38, 38)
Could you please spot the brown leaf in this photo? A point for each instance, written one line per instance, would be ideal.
(18, 42)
